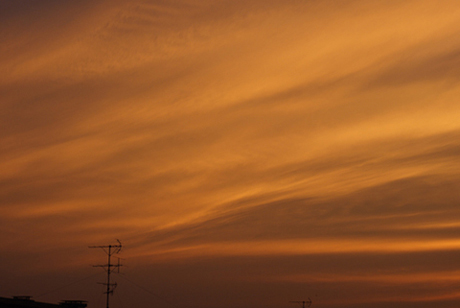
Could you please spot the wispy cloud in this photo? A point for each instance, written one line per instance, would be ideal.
(242, 133)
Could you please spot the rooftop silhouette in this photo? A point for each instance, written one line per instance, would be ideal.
(28, 302)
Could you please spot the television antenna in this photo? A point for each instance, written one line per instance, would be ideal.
(109, 267)
(306, 303)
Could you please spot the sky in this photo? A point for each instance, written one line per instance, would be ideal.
(246, 153)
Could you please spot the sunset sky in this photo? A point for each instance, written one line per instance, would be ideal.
(246, 153)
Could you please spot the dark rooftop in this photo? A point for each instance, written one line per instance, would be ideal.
(28, 302)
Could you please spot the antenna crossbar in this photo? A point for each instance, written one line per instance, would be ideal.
(306, 303)
(109, 267)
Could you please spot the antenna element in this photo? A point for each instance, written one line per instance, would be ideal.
(306, 303)
(109, 267)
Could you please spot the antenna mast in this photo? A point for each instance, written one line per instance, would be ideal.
(306, 303)
(109, 267)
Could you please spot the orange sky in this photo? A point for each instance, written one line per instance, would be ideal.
(246, 153)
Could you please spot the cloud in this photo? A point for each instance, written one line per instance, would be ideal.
(253, 145)
(391, 214)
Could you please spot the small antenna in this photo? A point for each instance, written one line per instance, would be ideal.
(109, 267)
(306, 303)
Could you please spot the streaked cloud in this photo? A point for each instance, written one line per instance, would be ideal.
(260, 150)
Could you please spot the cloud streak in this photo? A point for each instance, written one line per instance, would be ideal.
(235, 139)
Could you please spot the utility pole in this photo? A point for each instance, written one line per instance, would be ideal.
(306, 303)
(109, 267)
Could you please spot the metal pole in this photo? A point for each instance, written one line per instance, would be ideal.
(108, 276)
(109, 286)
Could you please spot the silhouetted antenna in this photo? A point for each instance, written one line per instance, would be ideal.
(109, 267)
(306, 303)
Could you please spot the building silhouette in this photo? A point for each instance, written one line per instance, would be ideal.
(28, 302)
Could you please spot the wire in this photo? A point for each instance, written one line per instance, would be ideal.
(67, 285)
(99, 300)
(148, 291)
(119, 299)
